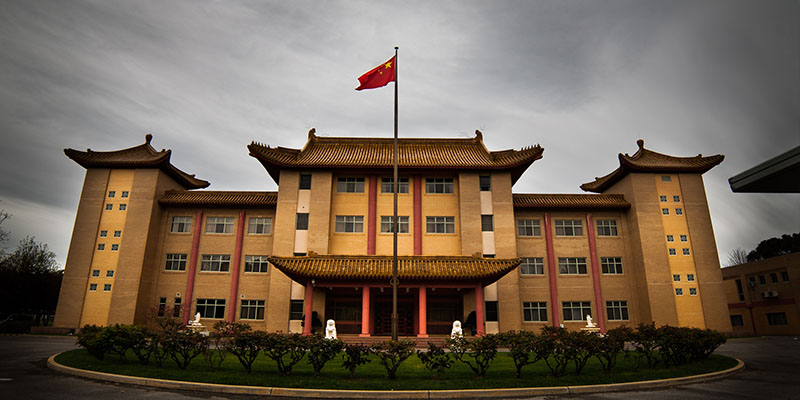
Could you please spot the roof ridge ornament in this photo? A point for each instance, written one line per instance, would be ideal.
(147, 138)
(640, 143)
(311, 133)
(478, 135)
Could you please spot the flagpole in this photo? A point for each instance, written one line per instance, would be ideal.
(394, 223)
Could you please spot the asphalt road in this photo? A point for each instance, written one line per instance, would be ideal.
(773, 372)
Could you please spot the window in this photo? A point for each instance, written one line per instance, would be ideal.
(690, 277)
(739, 289)
(672, 252)
(211, 308)
(256, 264)
(439, 185)
(532, 266)
(259, 226)
(665, 211)
(175, 262)
(676, 277)
(676, 199)
(692, 291)
(529, 227)
(101, 247)
(611, 265)
(678, 292)
(569, 227)
(576, 310)
(684, 238)
(162, 306)
(784, 276)
(123, 207)
(666, 178)
(572, 265)
(176, 308)
(491, 311)
(762, 280)
(124, 194)
(736, 320)
(485, 183)
(685, 251)
(617, 310)
(349, 223)
(252, 309)
(103, 233)
(112, 194)
(489, 255)
(114, 247)
(305, 181)
(215, 262)
(181, 225)
(487, 223)
(534, 311)
(663, 199)
(350, 185)
(95, 272)
(678, 211)
(109, 273)
(93, 287)
(107, 287)
(670, 238)
(296, 309)
(778, 318)
(440, 224)
(402, 223)
(387, 185)
(299, 254)
(219, 225)
(773, 277)
(109, 206)
(117, 234)
(302, 222)
(606, 227)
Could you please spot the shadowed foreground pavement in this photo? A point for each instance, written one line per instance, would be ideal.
(773, 371)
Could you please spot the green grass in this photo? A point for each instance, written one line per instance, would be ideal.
(410, 376)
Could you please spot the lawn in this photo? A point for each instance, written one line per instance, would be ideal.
(411, 375)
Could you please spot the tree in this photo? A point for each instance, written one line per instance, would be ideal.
(736, 256)
(774, 247)
(29, 279)
(30, 257)
(4, 234)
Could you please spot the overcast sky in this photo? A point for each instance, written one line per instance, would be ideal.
(585, 79)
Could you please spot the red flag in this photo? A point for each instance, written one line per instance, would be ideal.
(379, 76)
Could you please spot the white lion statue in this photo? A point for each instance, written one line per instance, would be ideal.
(330, 330)
(456, 332)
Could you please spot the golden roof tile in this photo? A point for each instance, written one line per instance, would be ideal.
(581, 201)
(645, 160)
(141, 156)
(201, 198)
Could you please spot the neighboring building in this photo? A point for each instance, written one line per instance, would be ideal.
(641, 250)
(762, 296)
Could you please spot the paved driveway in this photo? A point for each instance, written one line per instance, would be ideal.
(773, 372)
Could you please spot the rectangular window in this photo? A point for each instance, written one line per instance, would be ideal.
(95, 272)
(181, 225)
(762, 280)
(778, 318)
(259, 226)
(690, 277)
(117, 234)
(123, 207)
(439, 185)
(665, 211)
(350, 185)
(678, 292)
(611, 265)
(124, 194)
(487, 223)
(569, 227)
(663, 199)
(672, 252)
(299, 254)
(784, 276)
(533, 311)
(529, 227)
(176, 308)
(175, 262)
(684, 238)
(296, 309)
(676, 199)
(103, 233)
(219, 225)
(606, 227)
(112, 193)
(387, 185)
(101, 247)
(572, 265)
(773, 277)
(93, 287)
(576, 310)
(402, 222)
(489, 255)
(440, 224)
(107, 287)
(109, 206)
(349, 223)
(617, 310)
(739, 289)
(676, 277)
(114, 247)
(491, 311)
(737, 320)
(666, 178)
(532, 266)
(211, 308)
(302, 222)
(692, 291)
(215, 262)
(685, 251)
(305, 181)
(110, 273)
(670, 238)
(162, 306)
(256, 264)
(485, 183)
(678, 211)
(252, 309)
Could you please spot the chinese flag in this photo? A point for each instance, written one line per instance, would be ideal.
(379, 76)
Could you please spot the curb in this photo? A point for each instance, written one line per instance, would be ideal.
(398, 394)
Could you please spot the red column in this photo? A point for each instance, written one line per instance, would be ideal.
(372, 209)
(418, 216)
(365, 312)
(187, 305)
(423, 313)
(479, 319)
(308, 309)
(598, 296)
(236, 266)
(551, 268)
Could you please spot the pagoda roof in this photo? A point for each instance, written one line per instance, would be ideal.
(203, 198)
(377, 153)
(581, 201)
(379, 268)
(645, 160)
(141, 156)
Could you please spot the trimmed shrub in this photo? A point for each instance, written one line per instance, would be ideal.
(579, 347)
(607, 347)
(246, 345)
(92, 339)
(482, 350)
(645, 341)
(285, 349)
(704, 342)
(354, 355)
(184, 346)
(321, 350)
(551, 344)
(522, 348)
(392, 353)
(435, 360)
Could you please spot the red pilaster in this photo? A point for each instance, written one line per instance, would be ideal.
(598, 296)
(418, 215)
(551, 268)
(365, 311)
(308, 309)
(372, 210)
(236, 266)
(479, 318)
(423, 313)
(187, 303)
